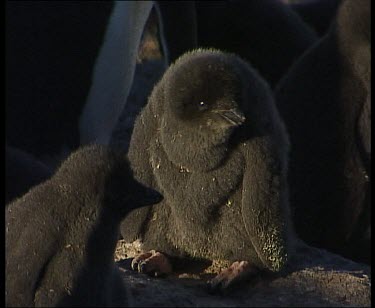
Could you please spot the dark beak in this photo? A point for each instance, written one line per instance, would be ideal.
(233, 116)
(149, 196)
(152, 197)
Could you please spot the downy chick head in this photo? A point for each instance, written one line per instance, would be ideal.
(203, 105)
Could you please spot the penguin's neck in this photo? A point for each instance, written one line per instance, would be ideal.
(194, 149)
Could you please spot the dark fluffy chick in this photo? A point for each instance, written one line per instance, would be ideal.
(61, 235)
(211, 140)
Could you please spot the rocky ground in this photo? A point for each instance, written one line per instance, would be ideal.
(315, 278)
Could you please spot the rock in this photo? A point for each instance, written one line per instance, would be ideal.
(315, 277)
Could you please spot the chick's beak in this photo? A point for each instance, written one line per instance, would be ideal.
(233, 116)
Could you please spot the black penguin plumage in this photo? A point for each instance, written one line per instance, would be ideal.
(61, 235)
(22, 171)
(268, 34)
(319, 14)
(223, 177)
(325, 102)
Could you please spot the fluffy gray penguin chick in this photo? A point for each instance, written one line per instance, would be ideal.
(61, 235)
(211, 141)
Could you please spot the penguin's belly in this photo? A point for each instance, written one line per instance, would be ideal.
(203, 216)
(223, 237)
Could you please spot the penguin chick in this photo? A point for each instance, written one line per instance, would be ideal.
(61, 235)
(325, 102)
(211, 141)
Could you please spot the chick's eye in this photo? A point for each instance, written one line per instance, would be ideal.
(202, 105)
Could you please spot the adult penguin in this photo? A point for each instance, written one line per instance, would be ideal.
(325, 102)
(319, 14)
(267, 33)
(70, 67)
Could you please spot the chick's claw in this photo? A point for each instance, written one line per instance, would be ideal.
(238, 271)
(152, 263)
(138, 259)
